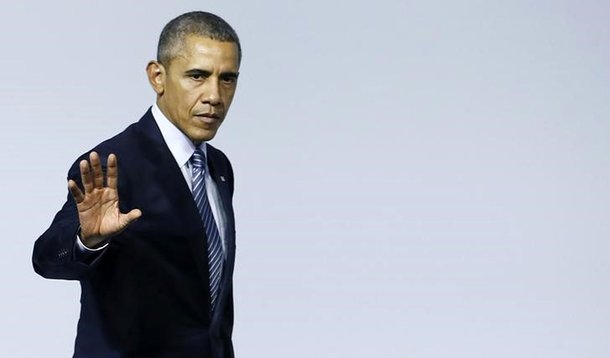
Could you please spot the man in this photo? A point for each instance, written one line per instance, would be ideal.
(154, 247)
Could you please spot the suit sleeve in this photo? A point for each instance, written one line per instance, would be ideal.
(56, 254)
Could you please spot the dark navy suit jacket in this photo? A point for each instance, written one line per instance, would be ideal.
(146, 294)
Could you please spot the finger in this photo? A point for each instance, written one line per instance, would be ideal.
(77, 194)
(85, 176)
(112, 172)
(126, 219)
(96, 166)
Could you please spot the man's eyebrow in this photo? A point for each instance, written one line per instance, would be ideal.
(204, 73)
(197, 71)
(229, 74)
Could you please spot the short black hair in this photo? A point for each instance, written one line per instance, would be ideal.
(199, 23)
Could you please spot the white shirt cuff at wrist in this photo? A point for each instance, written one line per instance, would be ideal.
(82, 246)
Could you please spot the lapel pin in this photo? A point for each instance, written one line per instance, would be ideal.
(222, 178)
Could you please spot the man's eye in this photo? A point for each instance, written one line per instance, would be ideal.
(197, 77)
(228, 80)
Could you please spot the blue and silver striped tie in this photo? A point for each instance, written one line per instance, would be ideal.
(215, 255)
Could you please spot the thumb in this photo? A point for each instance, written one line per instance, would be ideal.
(126, 219)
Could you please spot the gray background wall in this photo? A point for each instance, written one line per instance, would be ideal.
(414, 178)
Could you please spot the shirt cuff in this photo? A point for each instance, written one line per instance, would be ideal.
(84, 248)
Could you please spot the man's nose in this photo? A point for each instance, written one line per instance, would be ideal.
(211, 94)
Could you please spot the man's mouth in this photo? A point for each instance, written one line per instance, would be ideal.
(211, 115)
(208, 117)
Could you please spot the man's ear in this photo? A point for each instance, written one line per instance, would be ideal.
(156, 76)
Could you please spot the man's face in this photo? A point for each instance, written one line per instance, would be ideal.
(198, 85)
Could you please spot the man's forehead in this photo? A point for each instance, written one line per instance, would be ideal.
(198, 49)
(197, 44)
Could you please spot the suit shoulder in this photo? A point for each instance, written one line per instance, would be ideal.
(118, 144)
(119, 141)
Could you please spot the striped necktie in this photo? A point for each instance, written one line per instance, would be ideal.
(215, 255)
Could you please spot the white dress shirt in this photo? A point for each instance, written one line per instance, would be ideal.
(182, 149)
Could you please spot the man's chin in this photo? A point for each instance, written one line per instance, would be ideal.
(202, 135)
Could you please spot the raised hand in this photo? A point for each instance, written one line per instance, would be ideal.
(98, 206)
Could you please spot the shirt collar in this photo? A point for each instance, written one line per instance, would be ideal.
(178, 143)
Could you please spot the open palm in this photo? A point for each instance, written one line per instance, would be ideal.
(98, 206)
